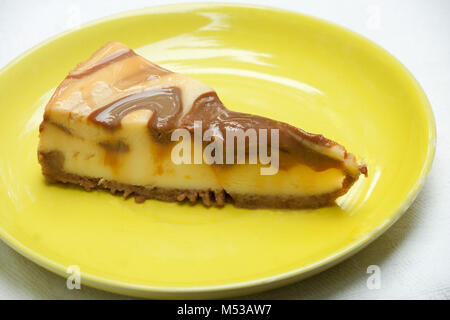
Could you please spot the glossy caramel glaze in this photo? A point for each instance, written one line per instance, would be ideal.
(216, 117)
(165, 103)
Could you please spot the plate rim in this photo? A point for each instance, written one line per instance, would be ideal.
(260, 284)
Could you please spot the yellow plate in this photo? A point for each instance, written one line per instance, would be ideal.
(275, 63)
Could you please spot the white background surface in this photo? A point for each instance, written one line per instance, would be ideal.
(414, 255)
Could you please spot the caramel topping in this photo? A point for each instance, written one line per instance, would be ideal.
(214, 115)
(119, 55)
(122, 54)
(165, 103)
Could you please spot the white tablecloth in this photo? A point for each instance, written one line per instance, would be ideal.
(414, 255)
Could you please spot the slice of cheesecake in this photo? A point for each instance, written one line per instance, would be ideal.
(110, 125)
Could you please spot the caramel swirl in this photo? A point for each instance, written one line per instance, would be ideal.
(150, 70)
(165, 103)
(214, 115)
(119, 55)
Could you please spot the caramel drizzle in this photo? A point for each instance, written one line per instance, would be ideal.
(117, 56)
(214, 115)
(165, 103)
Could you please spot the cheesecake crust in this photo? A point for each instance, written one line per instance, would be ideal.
(52, 164)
